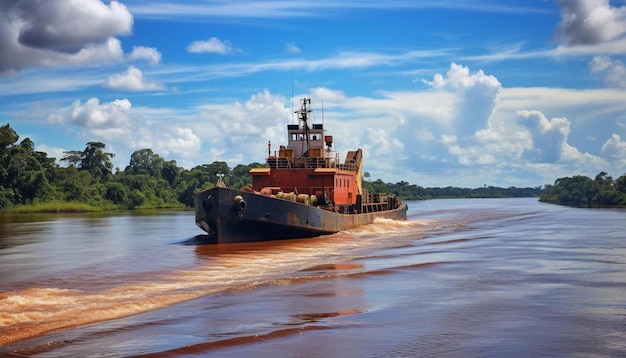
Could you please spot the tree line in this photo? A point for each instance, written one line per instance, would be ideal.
(29, 177)
(408, 191)
(582, 191)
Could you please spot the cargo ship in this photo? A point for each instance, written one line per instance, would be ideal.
(303, 191)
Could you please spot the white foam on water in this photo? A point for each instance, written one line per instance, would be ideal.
(34, 311)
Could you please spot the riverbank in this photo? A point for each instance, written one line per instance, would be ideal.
(54, 207)
(59, 207)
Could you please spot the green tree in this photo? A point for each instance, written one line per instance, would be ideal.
(187, 195)
(117, 193)
(7, 136)
(240, 176)
(145, 161)
(136, 199)
(580, 190)
(6, 197)
(603, 179)
(170, 172)
(46, 163)
(95, 160)
(73, 157)
(72, 184)
(24, 175)
(620, 184)
(215, 168)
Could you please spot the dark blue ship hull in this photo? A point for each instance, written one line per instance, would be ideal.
(230, 215)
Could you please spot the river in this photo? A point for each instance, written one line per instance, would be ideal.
(460, 278)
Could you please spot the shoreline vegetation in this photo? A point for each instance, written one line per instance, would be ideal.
(581, 191)
(30, 182)
(55, 207)
(58, 207)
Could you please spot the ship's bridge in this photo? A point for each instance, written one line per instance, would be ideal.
(301, 138)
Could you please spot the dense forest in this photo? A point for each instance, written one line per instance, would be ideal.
(29, 177)
(88, 181)
(583, 191)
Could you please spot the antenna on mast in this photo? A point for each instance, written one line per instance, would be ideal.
(292, 112)
(303, 116)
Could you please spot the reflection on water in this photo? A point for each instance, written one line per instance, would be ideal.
(461, 277)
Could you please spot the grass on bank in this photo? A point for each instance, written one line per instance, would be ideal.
(55, 207)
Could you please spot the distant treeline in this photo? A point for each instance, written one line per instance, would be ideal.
(28, 177)
(582, 191)
(408, 191)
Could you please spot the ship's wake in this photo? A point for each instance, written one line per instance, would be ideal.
(100, 292)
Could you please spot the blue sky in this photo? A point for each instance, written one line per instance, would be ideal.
(436, 93)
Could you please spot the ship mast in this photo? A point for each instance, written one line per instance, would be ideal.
(303, 116)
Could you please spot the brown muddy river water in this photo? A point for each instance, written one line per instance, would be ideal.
(460, 278)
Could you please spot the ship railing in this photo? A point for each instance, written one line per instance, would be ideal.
(277, 162)
(374, 198)
(303, 162)
(349, 166)
(377, 202)
(311, 163)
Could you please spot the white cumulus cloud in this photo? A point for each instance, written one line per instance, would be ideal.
(178, 141)
(549, 137)
(238, 132)
(132, 80)
(475, 95)
(149, 54)
(212, 45)
(93, 114)
(379, 143)
(121, 126)
(590, 21)
(51, 33)
(614, 71)
(615, 149)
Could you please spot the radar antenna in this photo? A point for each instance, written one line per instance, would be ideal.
(303, 116)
